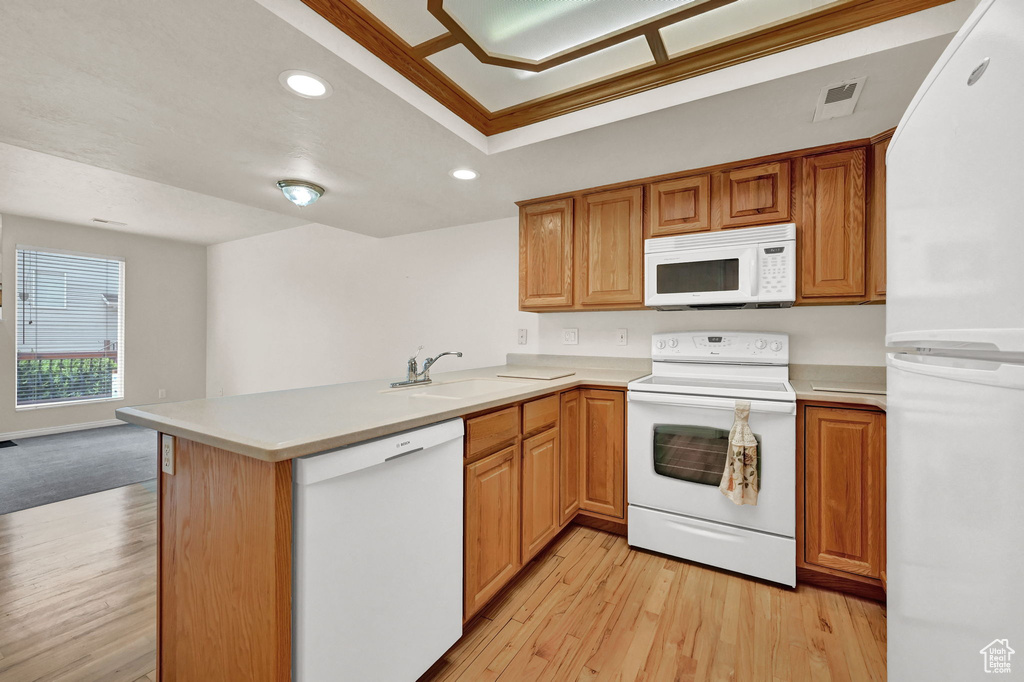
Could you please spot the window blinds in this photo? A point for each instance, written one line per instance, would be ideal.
(69, 327)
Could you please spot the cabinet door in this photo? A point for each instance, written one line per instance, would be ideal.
(540, 491)
(610, 248)
(844, 499)
(492, 526)
(602, 442)
(832, 233)
(756, 195)
(569, 445)
(545, 254)
(679, 206)
(876, 223)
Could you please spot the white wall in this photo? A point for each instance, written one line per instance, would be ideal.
(165, 319)
(316, 305)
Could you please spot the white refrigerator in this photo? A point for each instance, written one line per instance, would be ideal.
(955, 328)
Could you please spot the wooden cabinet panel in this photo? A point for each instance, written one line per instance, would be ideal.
(491, 430)
(876, 222)
(756, 195)
(679, 206)
(540, 414)
(545, 254)
(540, 492)
(602, 442)
(610, 248)
(832, 231)
(492, 526)
(844, 451)
(569, 445)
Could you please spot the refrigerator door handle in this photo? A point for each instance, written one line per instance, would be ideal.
(988, 373)
(1008, 340)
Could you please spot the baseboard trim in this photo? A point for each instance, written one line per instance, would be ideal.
(52, 430)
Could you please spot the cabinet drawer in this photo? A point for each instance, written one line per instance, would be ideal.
(491, 430)
(540, 414)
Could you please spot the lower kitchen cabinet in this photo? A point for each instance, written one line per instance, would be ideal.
(843, 495)
(603, 448)
(570, 465)
(492, 526)
(540, 491)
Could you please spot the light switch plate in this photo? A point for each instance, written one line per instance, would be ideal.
(167, 454)
(621, 337)
(570, 337)
(522, 337)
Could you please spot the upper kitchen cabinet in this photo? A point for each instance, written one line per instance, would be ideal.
(831, 233)
(756, 195)
(679, 206)
(609, 247)
(545, 254)
(876, 219)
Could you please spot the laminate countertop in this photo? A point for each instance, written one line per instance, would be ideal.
(826, 383)
(281, 425)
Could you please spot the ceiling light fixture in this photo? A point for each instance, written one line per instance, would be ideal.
(464, 174)
(300, 192)
(305, 84)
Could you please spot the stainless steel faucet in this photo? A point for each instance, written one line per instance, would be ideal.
(414, 375)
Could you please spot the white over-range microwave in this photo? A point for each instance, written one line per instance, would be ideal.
(754, 267)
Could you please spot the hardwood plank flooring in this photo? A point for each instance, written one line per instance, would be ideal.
(78, 589)
(591, 608)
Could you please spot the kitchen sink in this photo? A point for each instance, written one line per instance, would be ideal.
(459, 390)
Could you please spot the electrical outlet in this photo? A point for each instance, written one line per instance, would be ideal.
(621, 337)
(167, 454)
(161, 393)
(570, 337)
(522, 337)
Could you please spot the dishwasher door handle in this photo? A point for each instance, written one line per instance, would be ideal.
(403, 454)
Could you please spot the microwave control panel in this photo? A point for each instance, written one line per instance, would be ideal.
(777, 265)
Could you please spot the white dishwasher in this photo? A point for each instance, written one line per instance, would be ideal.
(377, 591)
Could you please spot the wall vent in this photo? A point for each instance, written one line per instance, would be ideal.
(838, 99)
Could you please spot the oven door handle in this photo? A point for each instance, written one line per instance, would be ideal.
(712, 403)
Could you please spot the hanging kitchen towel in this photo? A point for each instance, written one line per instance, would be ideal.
(739, 480)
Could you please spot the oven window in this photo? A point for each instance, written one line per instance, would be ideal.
(705, 275)
(694, 453)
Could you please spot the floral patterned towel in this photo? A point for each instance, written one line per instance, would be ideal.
(739, 480)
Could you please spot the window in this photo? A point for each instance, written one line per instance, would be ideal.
(69, 327)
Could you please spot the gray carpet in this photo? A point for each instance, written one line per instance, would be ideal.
(49, 469)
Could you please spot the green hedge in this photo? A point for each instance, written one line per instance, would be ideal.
(54, 380)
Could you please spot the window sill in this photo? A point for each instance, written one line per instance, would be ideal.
(66, 403)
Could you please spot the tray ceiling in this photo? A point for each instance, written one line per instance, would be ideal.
(504, 64)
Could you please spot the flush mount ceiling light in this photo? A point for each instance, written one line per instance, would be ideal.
(305, 84)
(300, 192)
(464, 174)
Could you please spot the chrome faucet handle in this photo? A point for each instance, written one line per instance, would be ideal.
(413, 365)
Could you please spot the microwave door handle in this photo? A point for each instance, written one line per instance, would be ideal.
(709, 402)
(755, 273)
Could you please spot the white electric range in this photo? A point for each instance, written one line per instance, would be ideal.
(679, 422)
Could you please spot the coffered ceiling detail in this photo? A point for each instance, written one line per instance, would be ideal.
(504, 64)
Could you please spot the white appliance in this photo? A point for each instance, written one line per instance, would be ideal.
(955, 250)
(679, 420)
(754, 267)
(377, 591)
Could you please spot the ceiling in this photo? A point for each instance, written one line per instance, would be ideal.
(169, 116)
(504, 64)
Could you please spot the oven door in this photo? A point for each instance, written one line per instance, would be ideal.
(677, 452)
(724, 276)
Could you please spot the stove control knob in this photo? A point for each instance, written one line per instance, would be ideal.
(760, 344)
(660, 345)
(776, 346)
(672, 343)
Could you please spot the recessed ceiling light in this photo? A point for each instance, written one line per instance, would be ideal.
(305, 84)
(464, 174)
(300, 192)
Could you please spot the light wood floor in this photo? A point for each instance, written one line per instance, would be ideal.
(591, 608)
(78, 589)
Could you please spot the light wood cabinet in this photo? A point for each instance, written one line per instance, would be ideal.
(832, 237)
(545, 254)
(602, 443)
(492, 526)
(569, 457)
(541, 463)
(876, 221)
(679, 206)
(609, 246)
(844, 490)
(756, 195)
